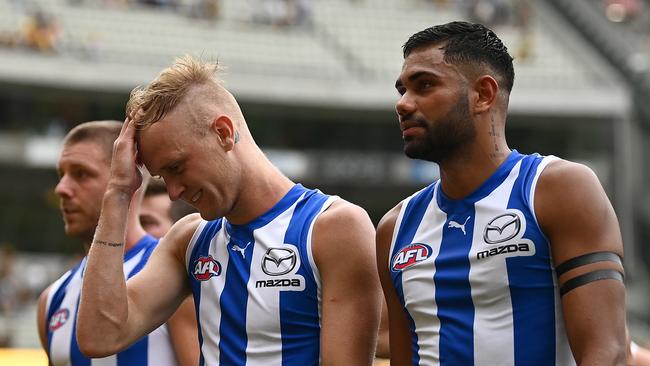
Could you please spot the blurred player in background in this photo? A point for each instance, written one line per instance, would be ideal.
(281, 274)
(508, 259)
(84, 170)
(157, 212)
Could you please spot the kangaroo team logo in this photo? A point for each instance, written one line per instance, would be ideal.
(410, 255)
(206, 267)
(58, 319)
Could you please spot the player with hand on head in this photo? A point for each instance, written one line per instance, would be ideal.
(281, 274)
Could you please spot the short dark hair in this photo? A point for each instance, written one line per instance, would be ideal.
(467, 43)
(155, 187)
(103, 133)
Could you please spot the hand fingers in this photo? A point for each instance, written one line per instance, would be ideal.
(127, 120)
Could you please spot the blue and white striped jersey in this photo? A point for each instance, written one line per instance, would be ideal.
(256, 287)
(62, 304)
(475, 276)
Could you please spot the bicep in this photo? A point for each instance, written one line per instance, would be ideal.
(578, 219)
(343, 245)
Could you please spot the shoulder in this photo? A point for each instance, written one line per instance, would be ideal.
(574, 211)
(567, 186)
(388, 221)
(342, 226)
(42, 301)
(180, 235)
(385, 230)
(342, 212)
(41, 316)
(560, 173)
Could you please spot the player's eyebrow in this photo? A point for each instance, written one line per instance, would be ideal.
(416, 75)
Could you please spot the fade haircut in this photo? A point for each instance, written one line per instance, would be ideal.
(178, 209)
(155, 187)
(167, 90)
(104, 133)
(467, 43)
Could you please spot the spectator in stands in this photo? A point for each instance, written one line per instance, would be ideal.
(622, 10)
(40, 32)
(13, 294)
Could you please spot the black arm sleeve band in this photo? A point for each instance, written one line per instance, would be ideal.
(601, 274)
(587, 259)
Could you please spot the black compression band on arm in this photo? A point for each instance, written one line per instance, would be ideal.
(601, 274)
(587, 259)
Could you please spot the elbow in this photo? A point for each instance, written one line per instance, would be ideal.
(95, 345)
(612, 354)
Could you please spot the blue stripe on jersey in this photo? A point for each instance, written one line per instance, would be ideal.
(453, 289)
(533, 308)
(76, 357)
(414, 213)
(454, 294)
(299, 317)
(235, 296)
(56, 301)
(134, 355)
(201, 249)
(235, 292)
(147, 243)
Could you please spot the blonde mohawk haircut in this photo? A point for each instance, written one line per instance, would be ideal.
(150, 104)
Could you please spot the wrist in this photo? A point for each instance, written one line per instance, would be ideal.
(119, 193)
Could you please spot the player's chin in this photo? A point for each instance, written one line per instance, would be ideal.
(208, 215)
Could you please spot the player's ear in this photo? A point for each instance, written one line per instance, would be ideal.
(225, 131)
(486, 89)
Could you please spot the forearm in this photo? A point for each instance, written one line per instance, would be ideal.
(103, 310)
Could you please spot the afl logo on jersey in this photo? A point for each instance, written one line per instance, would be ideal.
(410, 255)
(58, 319)
(206, 267)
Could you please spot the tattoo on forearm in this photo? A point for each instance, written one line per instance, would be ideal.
(107, 243)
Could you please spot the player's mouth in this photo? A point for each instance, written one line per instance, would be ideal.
(410, 126)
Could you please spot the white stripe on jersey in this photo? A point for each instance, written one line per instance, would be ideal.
(267, 341)
(265, 315)
(490, 291)
(209, 303)
(420, 299)
(60, 340)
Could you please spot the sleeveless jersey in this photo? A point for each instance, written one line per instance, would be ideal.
(475, 276)
(256, 287)
(62, 304)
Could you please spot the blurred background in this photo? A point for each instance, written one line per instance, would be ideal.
(315, 79)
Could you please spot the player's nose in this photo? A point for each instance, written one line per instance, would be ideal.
(405, 105)
(63, 189)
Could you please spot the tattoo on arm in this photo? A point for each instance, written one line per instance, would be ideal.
(107, 243)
